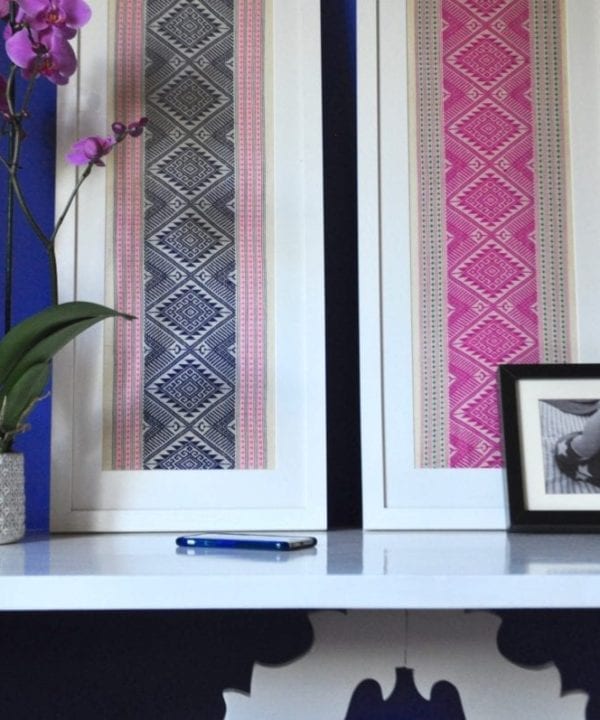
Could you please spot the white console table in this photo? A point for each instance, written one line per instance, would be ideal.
(348, 569)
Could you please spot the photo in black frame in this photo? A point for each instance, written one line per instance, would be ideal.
(551, 434)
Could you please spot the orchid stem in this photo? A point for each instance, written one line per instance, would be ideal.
(63, 215)
(52, 239)
(25, 208)
(15, 192)
(27, 96)
(8, 258)
(53, 275)
(10, 212)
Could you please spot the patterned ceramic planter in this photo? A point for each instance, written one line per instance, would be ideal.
(12, 497)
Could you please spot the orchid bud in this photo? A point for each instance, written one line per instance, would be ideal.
(119, 128)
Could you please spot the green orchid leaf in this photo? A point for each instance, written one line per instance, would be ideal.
(22, 338)
(45, 349)
(18, 403)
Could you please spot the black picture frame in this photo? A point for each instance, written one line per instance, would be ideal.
(542, 407)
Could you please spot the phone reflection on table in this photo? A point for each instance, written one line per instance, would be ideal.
(268, 556)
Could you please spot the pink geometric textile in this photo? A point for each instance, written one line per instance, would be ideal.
(492, 245)
(490, 214)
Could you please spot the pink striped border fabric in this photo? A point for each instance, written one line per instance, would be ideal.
(250, 405)
(128, 240)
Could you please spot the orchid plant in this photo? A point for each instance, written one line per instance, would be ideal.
(37, 37)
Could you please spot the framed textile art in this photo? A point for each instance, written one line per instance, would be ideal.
(478, 234)
(207, 411)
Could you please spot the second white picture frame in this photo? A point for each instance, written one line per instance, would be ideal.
(397, 491)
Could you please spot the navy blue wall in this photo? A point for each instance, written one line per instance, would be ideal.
(341, 267)
(31, 275)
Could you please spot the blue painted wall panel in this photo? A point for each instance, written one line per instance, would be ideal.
(31, 276)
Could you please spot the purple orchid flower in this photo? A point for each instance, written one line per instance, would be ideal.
(44, 53)
(66, 16)
(90, 150)
(4, 7)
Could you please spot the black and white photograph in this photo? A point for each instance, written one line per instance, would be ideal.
(571, 443)
(551, 445)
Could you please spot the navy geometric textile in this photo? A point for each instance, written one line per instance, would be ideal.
(190, 290)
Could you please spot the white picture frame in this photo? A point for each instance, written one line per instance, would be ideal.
(291, 495)
(396, 493)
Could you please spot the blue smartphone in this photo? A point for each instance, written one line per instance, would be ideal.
(248, 541)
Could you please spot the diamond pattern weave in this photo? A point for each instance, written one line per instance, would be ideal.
(183, 376)
(494, 264)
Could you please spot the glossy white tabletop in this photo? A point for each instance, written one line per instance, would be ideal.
(347, 569)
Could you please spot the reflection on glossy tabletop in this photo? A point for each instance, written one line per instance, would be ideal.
(347, 569)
